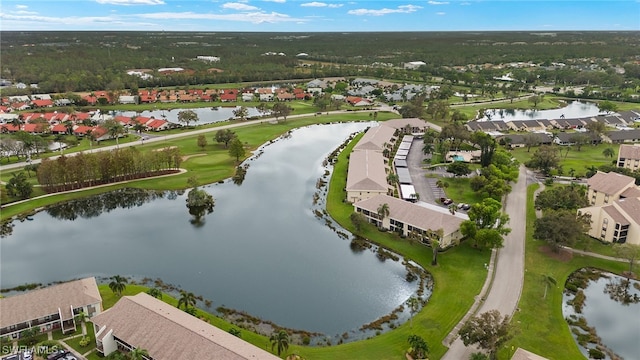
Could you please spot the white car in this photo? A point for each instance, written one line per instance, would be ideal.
(27, 355)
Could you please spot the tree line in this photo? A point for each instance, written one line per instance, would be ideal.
(82, 170)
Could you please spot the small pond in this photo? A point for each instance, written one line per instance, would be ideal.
(267, 249)
(605, 306)
(205, 115)
(573, 110)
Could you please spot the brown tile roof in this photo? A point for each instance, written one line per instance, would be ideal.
(610, 183)
(46, 301)
(366, 171)
(401, 123)
(522, 354)
(170, 333)
(375, 138)
(615, 214)
(629, 152)
(631, 206)
(412, 214)
(632, 192)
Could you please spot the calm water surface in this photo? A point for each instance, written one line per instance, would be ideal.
(262, 250)
(574, 109)
(205, 115)
(617, 322)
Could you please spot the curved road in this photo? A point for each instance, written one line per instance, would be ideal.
(506, 287)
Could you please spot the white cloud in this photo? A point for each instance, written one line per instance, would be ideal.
(239, 7)
(465, 3)
(276, 1)
(252, 17)
(21, 6)
(431, 2)
(441, 13)
(321, 4)
(25, 12)
(314, 4)
(76, 21)
(131, 2)
(404, 9)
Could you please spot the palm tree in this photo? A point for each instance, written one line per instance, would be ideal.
(435, 246)
(427, 148)
(139, 354)
(279, 340)
(608, 152)
(548, 280)
(115, 129)
(393, 179)
(383, 211)
(118, 284)
(442, 184)
(419, 348)
(187, 299)
(414, 305)
(155, 292)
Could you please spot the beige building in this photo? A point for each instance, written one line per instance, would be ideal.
(615, 208)
(49, 308)
(406, 217)
(166, 332)
(367, 175)
(618, 222)
(377, 139)
(629, 157)
(605, 188)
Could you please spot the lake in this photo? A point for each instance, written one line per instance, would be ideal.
(574, 109)
(612, 308)
(263, 250)
(205, 115)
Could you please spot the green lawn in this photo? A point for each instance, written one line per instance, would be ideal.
(542, 328)
(460, 191)
(578, 160)
(75, 342)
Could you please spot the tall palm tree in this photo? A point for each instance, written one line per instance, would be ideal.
(187, 299)
(118, 284)
(548, 280)
(139, 354)
(280, 341)
(383, 212)
(115, 129)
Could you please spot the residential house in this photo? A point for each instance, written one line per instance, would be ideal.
(414, 65)
(604, 188)
(366, 176)
(571, 138)
(42, 103)
(414, 125)
(49, 308)
(623, 136)
(630, 116)
(617, 222)
(157, 125)
(128, 99)
(377, 138)
(629, 157)
(520, 140)
(406, 218)
(166, 332)
(285, 96)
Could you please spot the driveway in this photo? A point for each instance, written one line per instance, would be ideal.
(509, 265)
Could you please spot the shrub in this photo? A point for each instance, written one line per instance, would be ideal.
(85, 341)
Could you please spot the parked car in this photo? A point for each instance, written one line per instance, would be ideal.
(12, 357)
(70, 357)
(448, 202)
(27, 355)
(466, 207)
(60, 354)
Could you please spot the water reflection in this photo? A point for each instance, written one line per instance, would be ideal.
(574, 109)
(93, 206)
(602, 310)
(262, 244)
(205, 115)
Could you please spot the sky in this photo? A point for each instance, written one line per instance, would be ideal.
(323, 16)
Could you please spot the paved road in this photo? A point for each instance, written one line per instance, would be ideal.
(509, 265)
(160, 137)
